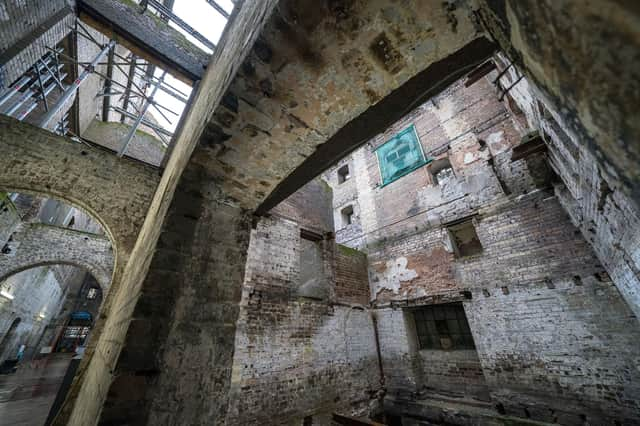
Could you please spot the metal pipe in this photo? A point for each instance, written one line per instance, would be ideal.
(144, 121)
(25, 97)
(218, 8)
(16, 87)
(127, 90)
(107, 86)
(71, 90)
(142, 112)
(170, 90)
(182, 24)
(32, 106)
(41, 84)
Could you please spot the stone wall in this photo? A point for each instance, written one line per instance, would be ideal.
(35, 244)
(33, 304)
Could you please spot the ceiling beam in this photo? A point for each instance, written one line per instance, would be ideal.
(419, 89)
(145, 36)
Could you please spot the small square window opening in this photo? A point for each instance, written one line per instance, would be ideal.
(441, 171)
(343, 174)
(464, 239)
(92, 293)
(347, 215)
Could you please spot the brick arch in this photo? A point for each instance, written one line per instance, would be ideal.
(35, 244)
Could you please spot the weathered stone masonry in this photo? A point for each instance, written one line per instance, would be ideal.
(34, 244)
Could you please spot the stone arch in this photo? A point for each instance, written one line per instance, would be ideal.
(35, 244)
(115, 191)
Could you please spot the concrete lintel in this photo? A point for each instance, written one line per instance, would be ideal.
(147, 37)
(392, 108)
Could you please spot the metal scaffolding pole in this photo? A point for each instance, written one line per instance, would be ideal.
(21, 83)
(169, 14)
(144, 121)
(141, 114)
(127, 90)
(107, 86)
(218, 8)
(25, 97)
(71, 90)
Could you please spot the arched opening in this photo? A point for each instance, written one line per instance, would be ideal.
(7, 364)
(58, 306)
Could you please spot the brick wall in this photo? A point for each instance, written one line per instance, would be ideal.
(352, 280)
(19, 21)
(298, 356)
(608, 218)
(553, 336)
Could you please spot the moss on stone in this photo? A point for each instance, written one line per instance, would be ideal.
(348, 251)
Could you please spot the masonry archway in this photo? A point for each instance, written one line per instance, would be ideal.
(35, 244)
(115, 191)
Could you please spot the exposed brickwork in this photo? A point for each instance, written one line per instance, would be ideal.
(19, 21)
(288, 344)
(608, 218)
(352, 280)
(92, 384)
(534, 263)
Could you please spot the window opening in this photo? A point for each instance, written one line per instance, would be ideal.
(343, 174)
(464, 238)
(347, 215)
(443, 327)
(92, 293)
(441, 171)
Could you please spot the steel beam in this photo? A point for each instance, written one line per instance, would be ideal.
(218, 8)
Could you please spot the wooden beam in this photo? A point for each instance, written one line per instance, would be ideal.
(420, 88)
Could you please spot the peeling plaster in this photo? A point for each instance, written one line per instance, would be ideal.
(394, 273)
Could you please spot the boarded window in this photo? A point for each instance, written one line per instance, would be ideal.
(443, 327)
(464, 239)
(400, 155)
(347, 215)
(343, 174)
(312, 282)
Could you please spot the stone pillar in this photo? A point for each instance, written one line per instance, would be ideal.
(175, 367)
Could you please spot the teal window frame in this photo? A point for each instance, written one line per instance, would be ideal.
(411, 130)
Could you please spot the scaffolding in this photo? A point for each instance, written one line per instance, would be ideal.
(44, 83)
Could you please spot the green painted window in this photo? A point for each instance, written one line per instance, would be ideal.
(400, 155)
